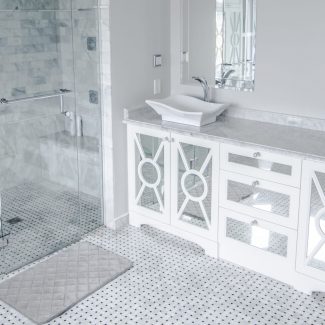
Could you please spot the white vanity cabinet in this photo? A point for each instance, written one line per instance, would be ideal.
(255, 208)
(311, 239)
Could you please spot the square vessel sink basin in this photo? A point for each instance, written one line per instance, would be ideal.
(187, 110)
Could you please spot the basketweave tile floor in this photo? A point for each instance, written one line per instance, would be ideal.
(174, 283)
(52, 217)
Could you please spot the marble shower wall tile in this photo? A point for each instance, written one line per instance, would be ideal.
(20, 149)
(84, 4)
(42, 50)
(21, 111)
(35, 4)
(28, 53)
(87, 70)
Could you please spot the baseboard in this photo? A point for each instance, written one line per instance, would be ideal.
(210, 247)
(119, 222)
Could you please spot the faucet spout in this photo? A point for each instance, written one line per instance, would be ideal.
(203, 82)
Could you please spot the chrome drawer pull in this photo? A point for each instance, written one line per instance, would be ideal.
(255, 184)
(257, 155)
(254, 223)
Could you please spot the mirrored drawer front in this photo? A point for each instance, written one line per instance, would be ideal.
(252, 195)
(270, 201)
(265, 165)
(255, 235)
(257, 244)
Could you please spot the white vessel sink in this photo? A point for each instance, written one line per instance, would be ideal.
(186, 110)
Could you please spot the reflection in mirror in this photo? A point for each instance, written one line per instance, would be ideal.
(218, 42)
(254, 235)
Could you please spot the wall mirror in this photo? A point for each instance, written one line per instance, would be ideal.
(218, 42)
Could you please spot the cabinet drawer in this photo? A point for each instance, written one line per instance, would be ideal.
(258, 245)
(260, 164)
(272, 202)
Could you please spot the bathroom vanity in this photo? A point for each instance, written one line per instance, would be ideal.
(247, 191)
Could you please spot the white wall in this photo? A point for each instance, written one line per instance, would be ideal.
(199, 27)
(290, 63)
(139, 29)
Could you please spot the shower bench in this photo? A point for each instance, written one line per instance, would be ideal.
(64, 170)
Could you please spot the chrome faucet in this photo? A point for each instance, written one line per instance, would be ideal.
(205, 87)
(227, 74)
(224, 78)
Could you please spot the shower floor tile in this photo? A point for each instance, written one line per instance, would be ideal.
(49, 217)
(174, 283)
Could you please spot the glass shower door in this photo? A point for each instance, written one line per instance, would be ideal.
(41, 144)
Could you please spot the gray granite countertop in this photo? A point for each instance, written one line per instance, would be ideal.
(290, 140)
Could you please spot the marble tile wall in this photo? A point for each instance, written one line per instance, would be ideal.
(20, 155)
(35, 4)
(42, 49)
(87, 70)
(64, 170)
(28, 53)
(106, 114)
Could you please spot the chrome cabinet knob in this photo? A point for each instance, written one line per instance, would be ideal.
(257, 155)
(256, 183)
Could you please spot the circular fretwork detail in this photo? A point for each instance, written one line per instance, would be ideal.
(318, 218)
(191, 173)
(152, 164)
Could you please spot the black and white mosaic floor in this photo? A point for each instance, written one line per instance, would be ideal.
(42, 218)
(174, 283)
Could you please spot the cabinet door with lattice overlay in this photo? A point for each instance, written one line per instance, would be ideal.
(194, 185)
(311, 234)
(149, 172)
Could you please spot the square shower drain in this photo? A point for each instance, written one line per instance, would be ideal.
(14, 221)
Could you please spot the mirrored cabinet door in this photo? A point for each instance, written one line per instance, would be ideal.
(311, 243)
(194, 184)
(149, 154)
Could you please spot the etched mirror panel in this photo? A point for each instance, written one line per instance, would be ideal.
(260, 164)
(259, 198)
(149, 153)
(316, 232)
(218, 42)
(259, 237)
(194, 185)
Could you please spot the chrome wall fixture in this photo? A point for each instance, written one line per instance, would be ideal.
(58, 93)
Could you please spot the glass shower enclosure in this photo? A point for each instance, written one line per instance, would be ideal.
(50, 127)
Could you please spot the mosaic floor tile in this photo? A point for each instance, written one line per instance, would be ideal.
(174, 283)
(51, 217)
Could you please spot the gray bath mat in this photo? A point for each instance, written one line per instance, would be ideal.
(50, 288)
